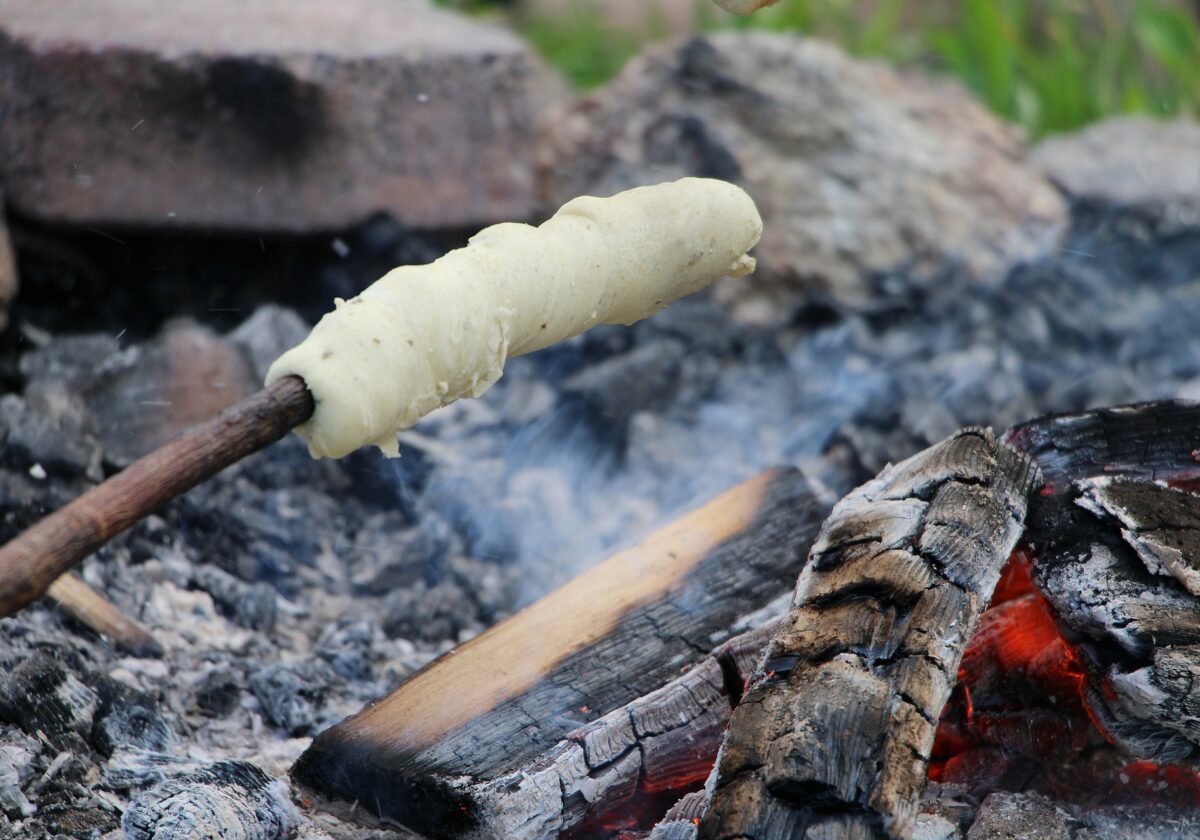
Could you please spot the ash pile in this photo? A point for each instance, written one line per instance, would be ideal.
(921, 273)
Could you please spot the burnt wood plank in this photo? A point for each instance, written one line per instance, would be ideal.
(833, 736)
(636, 756)
(423, 755)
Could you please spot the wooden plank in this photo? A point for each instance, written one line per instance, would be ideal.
(616, 633)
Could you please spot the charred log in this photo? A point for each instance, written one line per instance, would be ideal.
(834, 734)
(1114, 558)
(1151, 441)
(440, 753)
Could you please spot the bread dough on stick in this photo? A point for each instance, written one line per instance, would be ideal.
(424, 336)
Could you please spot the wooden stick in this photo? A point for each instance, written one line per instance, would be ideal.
(92, 609)
(34, 559)
(619, 631)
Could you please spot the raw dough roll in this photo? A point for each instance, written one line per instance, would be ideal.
(424, 336)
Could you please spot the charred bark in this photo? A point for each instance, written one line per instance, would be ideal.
(479, 743)
(627, 761)
(834, 734)
(1151, 441)
(1116, 560)
(231, 800)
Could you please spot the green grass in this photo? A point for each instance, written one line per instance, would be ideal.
(581, 46)
(1051, 65)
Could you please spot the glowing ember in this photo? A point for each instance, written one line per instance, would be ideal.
(1018, 718)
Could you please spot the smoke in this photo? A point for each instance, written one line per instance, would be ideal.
(584, 448)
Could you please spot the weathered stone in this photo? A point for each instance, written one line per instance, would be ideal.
(186, 376)
(276, 115)
(860, 173)
(1127, 160)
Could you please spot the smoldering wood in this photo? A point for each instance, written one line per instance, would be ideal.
(1151, 441)
(34, 559)
(834, 734)
(476, 744)
(1162, 524)
(682, 821)
(93, 610)
(230, 800)
(663, 742)
(1114, 559)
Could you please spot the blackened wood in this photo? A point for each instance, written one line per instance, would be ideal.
(623, 763)
(682, 821)
(43, 697)
(833, 736)
(231, 800)
(1160, 523)
(93, 610)
(1153, 441)
(1115, 559)
(616, 633)
(34, 559)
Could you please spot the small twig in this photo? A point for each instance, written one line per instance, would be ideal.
(90, 608)
(32, 561)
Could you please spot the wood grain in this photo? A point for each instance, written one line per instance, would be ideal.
(833, 736)
(618, 632)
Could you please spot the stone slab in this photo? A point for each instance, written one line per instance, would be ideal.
(270, 115)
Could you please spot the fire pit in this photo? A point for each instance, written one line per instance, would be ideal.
(757, 566)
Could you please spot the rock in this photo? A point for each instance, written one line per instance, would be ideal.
(870, 183)
(8, 271)
(1127, 161)
(277, 115)
(650, 20)
(41, 441)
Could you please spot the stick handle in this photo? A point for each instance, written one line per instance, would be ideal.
(34, 559)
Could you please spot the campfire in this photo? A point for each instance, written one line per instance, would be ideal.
(887, 525)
